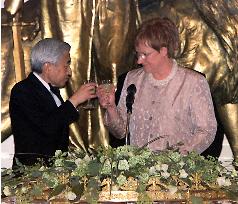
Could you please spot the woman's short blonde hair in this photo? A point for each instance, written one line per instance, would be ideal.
(158, 33)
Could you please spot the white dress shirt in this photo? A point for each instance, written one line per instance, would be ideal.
(57, 100)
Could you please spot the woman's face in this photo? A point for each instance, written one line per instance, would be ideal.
(150, 58)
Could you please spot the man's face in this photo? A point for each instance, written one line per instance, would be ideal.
(60, 72)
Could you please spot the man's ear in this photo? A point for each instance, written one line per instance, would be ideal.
(163, 51)
(46, 67)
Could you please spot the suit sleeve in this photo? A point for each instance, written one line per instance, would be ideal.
(203, 117)
(41, 115)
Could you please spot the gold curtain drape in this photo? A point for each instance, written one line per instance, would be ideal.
(101, 34)
(101, 37)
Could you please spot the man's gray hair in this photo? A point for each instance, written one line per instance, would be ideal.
(47, 50)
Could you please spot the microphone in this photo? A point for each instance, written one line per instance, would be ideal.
(131, 90)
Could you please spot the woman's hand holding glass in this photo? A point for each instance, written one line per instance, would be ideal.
(106, 94)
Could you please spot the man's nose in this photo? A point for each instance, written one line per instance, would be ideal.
(69, 71)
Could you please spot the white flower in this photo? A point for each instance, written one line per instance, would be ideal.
(58, 153)
(164, 167)
(152, 170)
(7, 191)
(59, 169)
(218, 168)
(106, 169)
(227, 182)
(183, 173)
(24, 190)
(52, 178)
(123, 165)
(165, 174)
(130, 154)
(222, 181)
(70, 195)
(102, 159)
(78, 161)
(121, 179)
(59, 162)
(158, 167)
(172, 189)
(144, 177)
(42, 168)
(234, 173)
(86, 158)
(181, 164)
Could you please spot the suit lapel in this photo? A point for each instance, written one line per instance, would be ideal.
(41, 90)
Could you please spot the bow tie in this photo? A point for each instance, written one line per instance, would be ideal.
(54, 89)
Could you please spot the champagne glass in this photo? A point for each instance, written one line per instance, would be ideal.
(90, 103)
(107, 86)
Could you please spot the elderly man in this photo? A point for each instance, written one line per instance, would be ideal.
(39, 117)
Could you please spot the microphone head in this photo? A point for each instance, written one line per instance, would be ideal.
(131, 89)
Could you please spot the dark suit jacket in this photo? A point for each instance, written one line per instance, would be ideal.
(39, 127)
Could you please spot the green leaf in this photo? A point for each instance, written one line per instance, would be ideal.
(232, 195)
(49, 183)
(36, 191)
(19, 164)
(78, 189)
(196, 200)
(93, 183)
(141, 188)
(57, 190)
(93, 168)
(69, 164)
(143, 198)
(36, 174)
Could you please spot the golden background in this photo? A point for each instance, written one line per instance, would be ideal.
(101, 34)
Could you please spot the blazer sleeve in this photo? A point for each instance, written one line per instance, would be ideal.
(40, 112)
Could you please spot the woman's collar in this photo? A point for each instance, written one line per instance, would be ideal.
(165, 81)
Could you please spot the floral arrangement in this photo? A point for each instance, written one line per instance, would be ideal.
(80, 175)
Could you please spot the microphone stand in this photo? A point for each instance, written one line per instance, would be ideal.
(127, 127)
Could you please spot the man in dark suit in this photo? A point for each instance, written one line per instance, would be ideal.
(39, 117)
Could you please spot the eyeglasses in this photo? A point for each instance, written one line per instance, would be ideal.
(143, 55)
